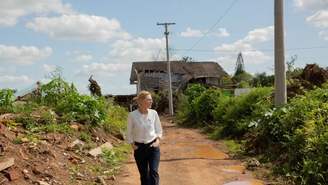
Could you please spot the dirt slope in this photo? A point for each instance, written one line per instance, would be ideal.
(49, 160)
(188, 158)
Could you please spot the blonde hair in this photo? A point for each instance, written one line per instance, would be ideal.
(141, 96)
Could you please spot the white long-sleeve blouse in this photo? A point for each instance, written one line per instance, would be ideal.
(146, 127)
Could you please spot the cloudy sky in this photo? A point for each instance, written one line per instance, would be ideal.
(102, 38)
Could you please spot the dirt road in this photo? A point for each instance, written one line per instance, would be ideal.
(189, 158)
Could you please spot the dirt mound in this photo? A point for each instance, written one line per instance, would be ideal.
(311, 76)
(51, 158)
(314, 74)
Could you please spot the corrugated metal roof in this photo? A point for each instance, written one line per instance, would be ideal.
(26, 91)
(192, 69)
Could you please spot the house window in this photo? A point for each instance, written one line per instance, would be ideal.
(202, 80)
(198, 81)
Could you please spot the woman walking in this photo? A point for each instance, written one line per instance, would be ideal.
(147, 128)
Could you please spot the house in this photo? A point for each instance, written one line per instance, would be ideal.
(152, 76)
(33, 89)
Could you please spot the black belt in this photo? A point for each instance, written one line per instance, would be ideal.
(143, 144)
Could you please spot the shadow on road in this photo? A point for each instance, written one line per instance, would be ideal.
(187, 158)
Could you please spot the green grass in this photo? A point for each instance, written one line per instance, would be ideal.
(235, 148)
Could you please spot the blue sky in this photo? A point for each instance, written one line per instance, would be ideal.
(102, 38)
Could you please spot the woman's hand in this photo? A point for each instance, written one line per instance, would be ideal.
(135, 147)
(155, 144)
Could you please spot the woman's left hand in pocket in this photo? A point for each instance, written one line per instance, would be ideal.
(155, 144)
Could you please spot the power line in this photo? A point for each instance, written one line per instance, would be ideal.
(167, 11)
(212, 26)
(262, 50)
(177, 7)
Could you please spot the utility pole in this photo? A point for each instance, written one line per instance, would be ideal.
(166, 33)
(279, 50)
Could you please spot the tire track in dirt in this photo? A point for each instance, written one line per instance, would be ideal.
(183, 161)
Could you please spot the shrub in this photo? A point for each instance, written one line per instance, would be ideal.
(232, 113)
(299, 131)
(6, 98)
(187, 112)
(204, 105)
(116, 117)
(161, 100)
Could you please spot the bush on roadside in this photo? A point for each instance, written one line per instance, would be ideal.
(298, 132)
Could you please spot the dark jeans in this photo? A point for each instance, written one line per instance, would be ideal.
(147, 159)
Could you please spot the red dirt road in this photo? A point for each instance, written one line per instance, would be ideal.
(189, 158)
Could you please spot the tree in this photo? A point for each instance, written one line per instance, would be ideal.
(242, 77)
(93, 87)
(240, 68)
(187, 59)
(291, 70)
(243, 84)
(226, 80)
(263, 80)
(160, 55)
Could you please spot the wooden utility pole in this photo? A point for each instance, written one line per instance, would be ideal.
(166, 33)
(279, 48)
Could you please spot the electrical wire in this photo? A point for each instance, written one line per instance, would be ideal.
(176, 8)
(212, 26)
(262, 50)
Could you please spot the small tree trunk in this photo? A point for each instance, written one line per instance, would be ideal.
(94, 88)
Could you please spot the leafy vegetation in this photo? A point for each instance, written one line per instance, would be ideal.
(54, 109)
(225, 114)
(116, 155)
(292, 140)
(161, 100)
(297, 133)
(6, 98)
(116, 117)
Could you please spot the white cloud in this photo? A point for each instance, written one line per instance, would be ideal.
(311, 5)
(260, 35)
(117, 90)
(47, 68)
(83, 58)
(191, 33)
(11, 10)
(7, 69)
(222, 33)
(255, 36)
(75, 52)
(26, 55)
(135, 50)
(255, 57)
(225, 60)
(250, 55)
(80, 27)
(14, 81)
(320, 7)
(319, 19)
(45, 80)
(321, 33)
(198, 33)
(105, 70)
(106, 88)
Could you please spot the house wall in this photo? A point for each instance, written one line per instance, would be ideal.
(163, 76)
(212, 80)
(241, 91)
(153, 82)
